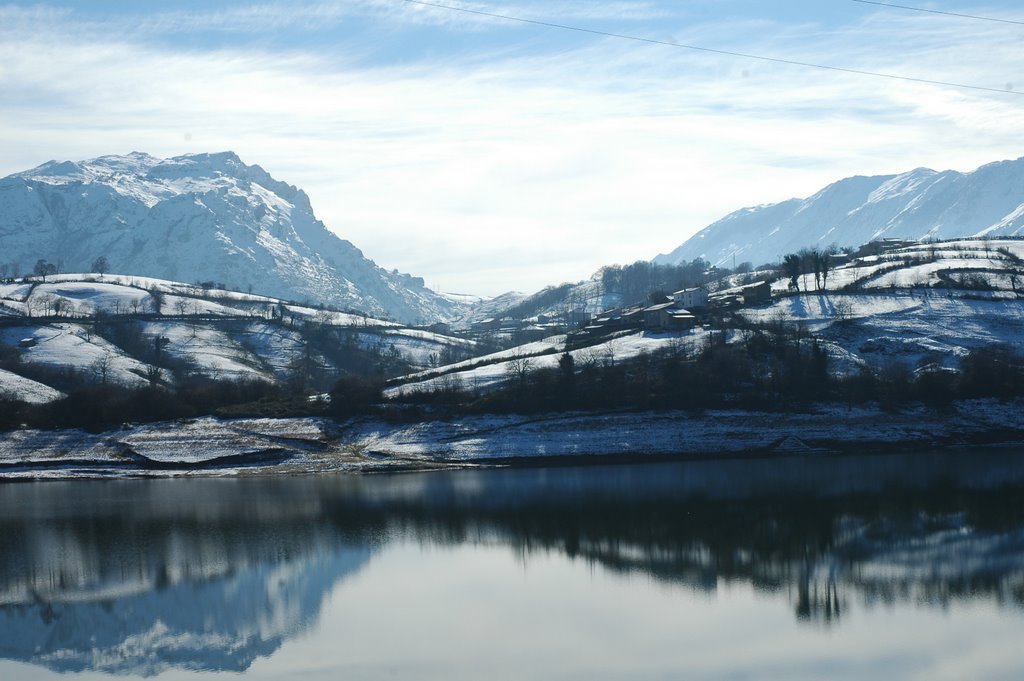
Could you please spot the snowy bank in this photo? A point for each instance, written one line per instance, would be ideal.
(511, 439)
(315, 445)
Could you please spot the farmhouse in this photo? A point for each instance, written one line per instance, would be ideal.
(691, 298)
(757, 294)
(668, 317)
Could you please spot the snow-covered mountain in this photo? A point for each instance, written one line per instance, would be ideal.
(197, 217)
(918, 204)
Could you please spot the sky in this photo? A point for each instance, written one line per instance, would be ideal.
(489, 155)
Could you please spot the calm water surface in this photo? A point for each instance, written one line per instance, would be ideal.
(907, 567)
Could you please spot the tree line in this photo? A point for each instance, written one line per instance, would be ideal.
(765, 371)
(636, 283)
(818, 262)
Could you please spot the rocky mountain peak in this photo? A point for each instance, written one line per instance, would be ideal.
(207, 216)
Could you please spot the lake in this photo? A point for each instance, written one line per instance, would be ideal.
(898, 566)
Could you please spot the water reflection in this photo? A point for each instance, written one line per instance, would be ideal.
(142, 576)
(138, 577)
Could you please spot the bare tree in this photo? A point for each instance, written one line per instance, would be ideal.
(43, 268)
(518, 367)
(827, 264)
(156, 300)
(44, 303)
(607, 353)
(302, 368)
(100, 265)
(450, 384)
(587, 358)
(842, 309)
(101, 367)
(154, 375)
(813, 259)
(194, 324)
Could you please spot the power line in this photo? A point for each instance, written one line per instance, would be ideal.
(729, 53)
(938, 11)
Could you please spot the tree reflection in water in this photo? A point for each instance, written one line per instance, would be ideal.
(142, 576)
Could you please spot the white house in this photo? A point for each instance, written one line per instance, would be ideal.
(691, 298)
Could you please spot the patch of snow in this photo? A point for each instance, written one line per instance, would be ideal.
(500, 367)
(72, 346)
(90, 298)
(211, 352)
(26, 390)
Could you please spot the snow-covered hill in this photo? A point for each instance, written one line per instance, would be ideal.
(197, 218)
(76, 325)
(926, 306)
(919, 204)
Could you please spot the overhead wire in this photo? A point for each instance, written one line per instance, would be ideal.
(711, 50)
(939, 11)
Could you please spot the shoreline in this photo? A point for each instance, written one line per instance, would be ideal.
(317, 445)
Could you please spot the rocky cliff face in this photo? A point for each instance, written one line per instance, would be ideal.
(197, 218)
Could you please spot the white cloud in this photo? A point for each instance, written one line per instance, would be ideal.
(510, 171)
(322, 14)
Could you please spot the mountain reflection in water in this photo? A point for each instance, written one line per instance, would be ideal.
(203, 574)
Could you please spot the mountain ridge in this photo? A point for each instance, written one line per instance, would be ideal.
(205, 216)
(918, 204)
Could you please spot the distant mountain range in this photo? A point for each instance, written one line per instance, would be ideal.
(918, 204)
(198, 217)
(211, 217)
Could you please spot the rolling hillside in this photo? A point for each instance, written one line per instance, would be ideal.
(135, 331)
(924, 307)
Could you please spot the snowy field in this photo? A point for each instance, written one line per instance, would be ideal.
(541, 347)
(922, 265)
(913, 326)
(86, 294)
(492, 371)
(81, 298)
(25, 389)
(419, 348)
(72, 346)
(208, 351)
(247, 342)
